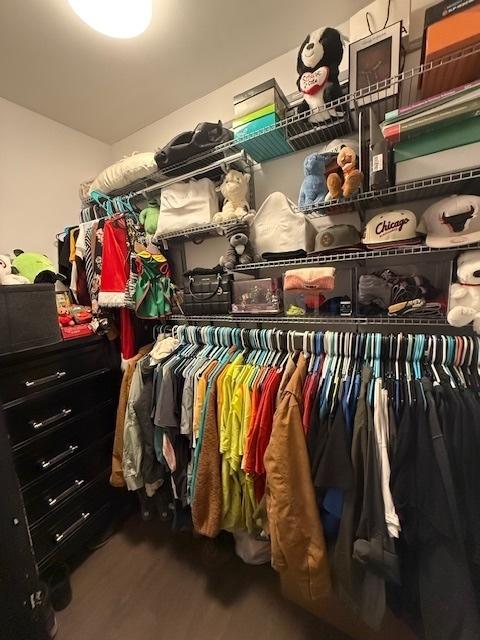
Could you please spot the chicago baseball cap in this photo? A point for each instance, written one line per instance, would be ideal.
(452, 222)
(391, 229)
(336, 237)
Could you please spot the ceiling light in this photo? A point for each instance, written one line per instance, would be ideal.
(115, 18)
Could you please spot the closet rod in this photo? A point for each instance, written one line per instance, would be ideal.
(236, 157)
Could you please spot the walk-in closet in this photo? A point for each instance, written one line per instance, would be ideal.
(240, 320)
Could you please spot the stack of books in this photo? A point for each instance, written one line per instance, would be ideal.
(440, 134)
(257, 109)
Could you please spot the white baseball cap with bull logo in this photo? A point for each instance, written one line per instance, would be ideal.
(452, 222)
(390, 229)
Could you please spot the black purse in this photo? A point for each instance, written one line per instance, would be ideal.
(207, 293)
(188, 144)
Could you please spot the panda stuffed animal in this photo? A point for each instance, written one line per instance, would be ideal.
(318, 65)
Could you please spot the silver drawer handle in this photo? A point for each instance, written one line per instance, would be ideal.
(72, 528)
(44, 423)
(39, 381)
(65, 494)
(45, 464)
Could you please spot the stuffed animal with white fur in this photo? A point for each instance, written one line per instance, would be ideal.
(318, 65)
(234, 189)
(6, 273)
(464, 300)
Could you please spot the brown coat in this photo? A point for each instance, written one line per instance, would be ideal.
(116, 477)
(207, 500)
(298, 545)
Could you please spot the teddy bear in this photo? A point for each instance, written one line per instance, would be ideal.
(8, 274)
(318, 65)
(352, 177)
(314, 186)
(234, 189)
(464, 299)
(239, 248)
(149, 217)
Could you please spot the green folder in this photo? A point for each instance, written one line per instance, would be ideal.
(449, 137)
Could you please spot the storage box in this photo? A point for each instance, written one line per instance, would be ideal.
(450, 160)
(78, 331)
(265, 111)
(257, 297)
(267, 145)
(254, 126)
(258, 97)
(449, 36)
(28, 317)
(450, 137)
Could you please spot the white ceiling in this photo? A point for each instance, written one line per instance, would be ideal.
(54, 64)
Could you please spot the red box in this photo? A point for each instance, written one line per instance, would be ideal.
(78, 331)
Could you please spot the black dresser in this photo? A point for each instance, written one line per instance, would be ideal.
(59, 405)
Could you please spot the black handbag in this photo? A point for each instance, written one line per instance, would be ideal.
(189, 144)
(207, 293)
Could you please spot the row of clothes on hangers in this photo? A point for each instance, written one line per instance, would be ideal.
(359, 455)
(112, 267)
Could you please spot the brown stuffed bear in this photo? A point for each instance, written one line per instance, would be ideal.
(352, 177)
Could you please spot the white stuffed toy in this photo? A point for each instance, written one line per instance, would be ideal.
(6, 275)
(464, 302)
(234, 189)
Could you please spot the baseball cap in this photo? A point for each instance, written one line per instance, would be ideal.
(336, 237)
(391, 229)
(351, 218)
(452, 222)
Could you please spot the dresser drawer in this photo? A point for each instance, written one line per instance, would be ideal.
(27, 375)
(60, 447)
(65, 484)
(55, 532)
(55, 409)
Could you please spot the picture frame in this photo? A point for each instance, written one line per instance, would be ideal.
(372, 61)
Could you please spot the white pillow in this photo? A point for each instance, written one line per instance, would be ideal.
(124, 172)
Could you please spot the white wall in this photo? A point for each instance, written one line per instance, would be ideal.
(42, 164)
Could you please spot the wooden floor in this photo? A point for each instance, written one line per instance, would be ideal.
(147, 583)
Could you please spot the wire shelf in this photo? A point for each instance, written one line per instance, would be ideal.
(191, 233)
(301, 130)
(318, 321)
(459, 182)
(351, 256)
(448, 183)
(336, 119)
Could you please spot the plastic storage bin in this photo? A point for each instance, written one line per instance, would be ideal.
(257, 297)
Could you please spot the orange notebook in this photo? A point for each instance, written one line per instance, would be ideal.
(444, 38)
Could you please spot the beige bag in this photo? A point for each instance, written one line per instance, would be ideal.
(278, 230)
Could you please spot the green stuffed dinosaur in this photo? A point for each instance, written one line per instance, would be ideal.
(149, 217)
